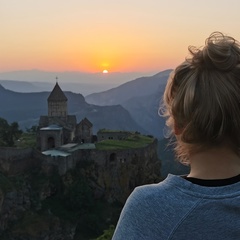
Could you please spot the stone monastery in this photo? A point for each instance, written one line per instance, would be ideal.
(60, 135)
(59, 128)
(65, 144)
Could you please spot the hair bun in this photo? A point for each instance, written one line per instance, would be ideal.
(220, 52)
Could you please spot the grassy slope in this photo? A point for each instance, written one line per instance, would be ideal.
(133, 141)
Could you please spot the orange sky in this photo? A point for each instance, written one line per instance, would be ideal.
(120, 36)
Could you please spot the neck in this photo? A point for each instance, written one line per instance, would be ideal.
(215, 163)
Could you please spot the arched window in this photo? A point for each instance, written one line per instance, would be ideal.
(51, 143)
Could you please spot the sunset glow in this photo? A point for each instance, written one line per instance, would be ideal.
(85, 36)
(105, 71)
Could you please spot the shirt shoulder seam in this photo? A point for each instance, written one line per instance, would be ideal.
(183, 219)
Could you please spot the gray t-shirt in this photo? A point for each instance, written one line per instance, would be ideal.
(177, 209)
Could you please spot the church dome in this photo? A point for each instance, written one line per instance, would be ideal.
(57, 94)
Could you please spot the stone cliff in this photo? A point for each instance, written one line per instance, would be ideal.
(72, 198)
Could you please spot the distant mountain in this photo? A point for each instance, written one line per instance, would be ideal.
(74, 81)
(23, 86)
(141, 97)
(136, 88)
(144, 111)
(83, 88)
(26, 108)
(70, 76)
(130, 106)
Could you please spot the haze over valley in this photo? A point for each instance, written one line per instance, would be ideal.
(77, 82)
(132, 105)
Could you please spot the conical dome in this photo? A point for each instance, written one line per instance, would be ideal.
(57, 94)
(57, 103)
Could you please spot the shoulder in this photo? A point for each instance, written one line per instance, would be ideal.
(144, 200)
(145, 209)
(170, 185)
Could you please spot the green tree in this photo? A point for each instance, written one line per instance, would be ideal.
(108, 234)
(8, 133)
(33, 129)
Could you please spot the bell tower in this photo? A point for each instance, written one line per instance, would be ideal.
(57, 103)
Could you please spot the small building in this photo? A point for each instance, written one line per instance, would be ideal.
(51, 137)
(84, 131)
(104, 134)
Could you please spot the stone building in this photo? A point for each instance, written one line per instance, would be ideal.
(84, 131)
(58, 127)
(105, 134)
(51, 137)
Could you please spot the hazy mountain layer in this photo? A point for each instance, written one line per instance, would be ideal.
(130, 106)
(139, 87)
(26, 108)
(74, 81)
(141, 97)
(83, 88)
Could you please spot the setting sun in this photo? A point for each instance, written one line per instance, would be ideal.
(105, 71)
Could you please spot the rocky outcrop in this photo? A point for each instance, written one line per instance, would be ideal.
(114, 174)
(22, 216)
(72, 198)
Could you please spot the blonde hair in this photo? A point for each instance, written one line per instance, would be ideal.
(202, 97)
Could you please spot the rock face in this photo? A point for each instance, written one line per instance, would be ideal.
(38, 203)
(114, 174)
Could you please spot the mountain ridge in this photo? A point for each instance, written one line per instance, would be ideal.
(127, 90)
(130, 106)
(26, 108)
(142, 104)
